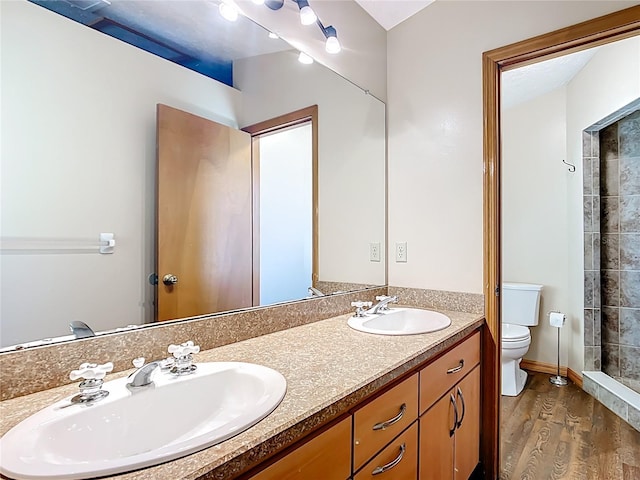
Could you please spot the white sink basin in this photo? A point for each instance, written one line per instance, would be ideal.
(401, 321)
(126, 431)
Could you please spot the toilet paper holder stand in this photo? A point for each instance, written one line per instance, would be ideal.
(558, 380)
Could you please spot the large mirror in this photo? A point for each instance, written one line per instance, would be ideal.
(79, 160)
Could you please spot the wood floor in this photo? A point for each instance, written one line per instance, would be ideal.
(550, 432)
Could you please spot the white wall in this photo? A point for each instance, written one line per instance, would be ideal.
(363, 59)
(607, 83)
(351, 169)
(534, 212)
(286, 205)
(434, 77)
(78, 104)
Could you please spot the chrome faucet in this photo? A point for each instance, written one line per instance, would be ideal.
(383, 304)
(142, 376)
(314, 292)
(81, 329)
(180, 363)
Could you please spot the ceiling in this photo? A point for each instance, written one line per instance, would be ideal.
(526, 83)
(192, 33)
(390, 13)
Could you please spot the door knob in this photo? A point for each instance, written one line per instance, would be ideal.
(169, 279)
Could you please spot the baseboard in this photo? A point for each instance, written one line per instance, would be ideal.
(542, 367)
(575, 377)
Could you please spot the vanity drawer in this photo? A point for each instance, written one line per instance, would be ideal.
(326, 456)
(398, 461)
(442, 374)
(376, 423)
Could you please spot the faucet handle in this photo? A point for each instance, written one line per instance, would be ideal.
(90, 371)
(183, 360)
(184, 349)
(360, 308)
(382, 297)
(138, 362)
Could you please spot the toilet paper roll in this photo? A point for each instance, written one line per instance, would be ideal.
(556, 319)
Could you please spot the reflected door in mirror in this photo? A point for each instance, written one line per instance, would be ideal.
(204, 216)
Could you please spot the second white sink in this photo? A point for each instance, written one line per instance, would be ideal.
(124, 431)
(401, 321)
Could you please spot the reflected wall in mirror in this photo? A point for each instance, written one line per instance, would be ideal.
(79, 158)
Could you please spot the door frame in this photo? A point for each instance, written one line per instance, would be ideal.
(598, 31)
(272, 125)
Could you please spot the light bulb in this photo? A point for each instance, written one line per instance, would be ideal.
(228, 11)
(304, 58)
(332, 45)
(307, 15)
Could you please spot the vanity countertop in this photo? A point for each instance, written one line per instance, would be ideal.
(329, 368)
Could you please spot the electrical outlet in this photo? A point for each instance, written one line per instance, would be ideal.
(401, 252)
(374, 251)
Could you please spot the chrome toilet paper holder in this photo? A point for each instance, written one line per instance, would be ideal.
(558, 380)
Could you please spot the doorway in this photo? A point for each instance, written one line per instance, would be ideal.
(595, 32)
(285, 213)
(284, 165)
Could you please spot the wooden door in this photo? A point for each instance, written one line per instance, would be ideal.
(203, 217)
(436, 440)
(467, 437)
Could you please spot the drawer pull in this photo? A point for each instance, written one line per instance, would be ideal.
(455, 411)
(464, 408)
(391, 421)
(392, 463)
(456, 369)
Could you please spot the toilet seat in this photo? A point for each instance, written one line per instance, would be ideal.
(514, 333)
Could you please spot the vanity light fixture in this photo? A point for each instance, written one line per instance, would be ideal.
(229, 11)
(332, 45)
(307, 15)
(304, 58)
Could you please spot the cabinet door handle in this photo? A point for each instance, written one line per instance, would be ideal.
(455, 411)
(456, 369)
(392, 463)
(391, 421)
(464, 408)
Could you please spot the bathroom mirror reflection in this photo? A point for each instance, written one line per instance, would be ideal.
(79, 159)
(570, 131)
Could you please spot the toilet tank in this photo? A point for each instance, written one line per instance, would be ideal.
(520, 303)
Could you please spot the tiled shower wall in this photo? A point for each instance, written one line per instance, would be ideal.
(592, 306)
(620, 248)
(611, 161)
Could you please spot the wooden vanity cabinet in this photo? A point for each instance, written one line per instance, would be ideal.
(425, 427)
(326, 456)
(450, 420)
(380, 421)
(398, 460)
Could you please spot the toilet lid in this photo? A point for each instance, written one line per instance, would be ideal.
(514, 332)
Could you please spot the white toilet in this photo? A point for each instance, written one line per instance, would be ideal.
(520, 308)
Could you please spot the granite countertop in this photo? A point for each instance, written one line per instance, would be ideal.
(329, 368)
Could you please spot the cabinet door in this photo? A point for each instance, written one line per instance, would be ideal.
(327, 456)
(437, 429)
(398, 461)
(467, 436)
